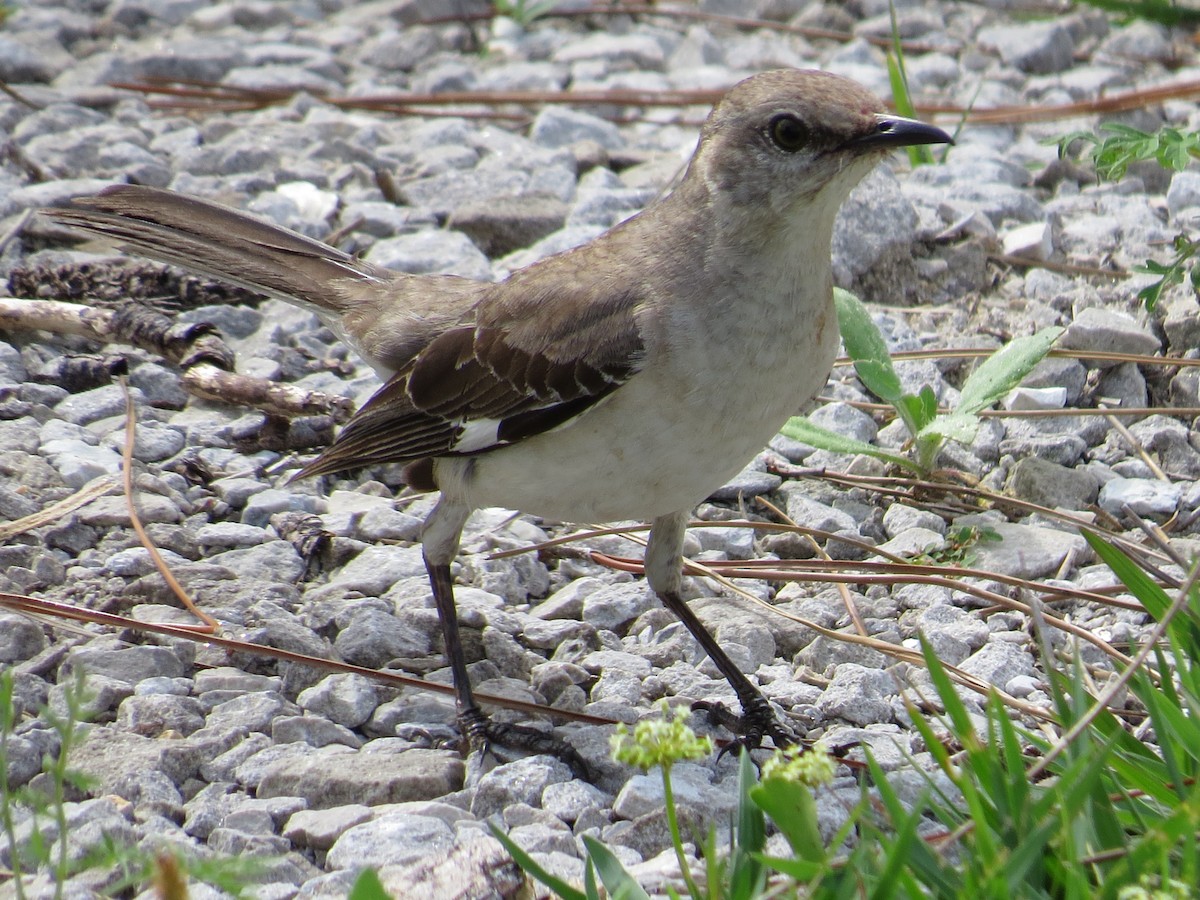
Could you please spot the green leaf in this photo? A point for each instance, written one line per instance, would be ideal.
(747, 875)
(367, 886)
(801, 869)
(799, 428)
(620, 884)
(530, 867)
(867, 348)
(793, 810)
(1005, 369)
(955, 427)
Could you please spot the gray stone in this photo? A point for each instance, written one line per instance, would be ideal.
(261, 505)
(21, 638)
(94, 405)
(128, 664)
(1171, 441)
(913, 542)
(521, 781)
(78, 462)
(23, 63)
(558, 126)
(326, 780)
(1027, 551)
(346, 699)
(695, 794)
(224, 765)
(1144, 496)
(1049, 484)
(312, 730)
(1123, 385)
(640, 52)
(899, 517)
(1184, 192)
(275, 561)
(389, 525)
(998, 662)
(752, 481)
(872, 239)
(249, 712)
(617, 605)
(859, 695)
(318, 829)
(501, 225)
(568, 800)
(161, 387)
(809, 513)
(376, 569)
(567, 602)
(227, 678)
(1107, 331)
(942, 618)
(373, 638)
(390, 839)
(156, 714)
(1139, 41)
(230, 534)
(432, 253)
(1039, 48)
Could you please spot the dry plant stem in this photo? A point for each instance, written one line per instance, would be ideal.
(787, 568)
(891, 486)
(205, 359)
(1189, 412)
(843, 590)
(1135, 445)
(982, 352)
(213, 97)
(635, 566)
(897, 652)
(93, 490)
(50, 609)
(210, 625)
(17, 227)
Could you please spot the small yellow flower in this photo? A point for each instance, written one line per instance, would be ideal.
(811, 767)
(659, 742)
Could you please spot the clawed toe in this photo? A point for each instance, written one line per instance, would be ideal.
(757, 722)
(480, 732)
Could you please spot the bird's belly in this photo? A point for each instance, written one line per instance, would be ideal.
(657, 445)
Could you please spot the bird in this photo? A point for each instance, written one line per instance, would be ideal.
(627, 378)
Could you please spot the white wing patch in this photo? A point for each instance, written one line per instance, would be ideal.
(477, 434)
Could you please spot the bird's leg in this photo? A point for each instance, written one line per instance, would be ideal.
(664, 571)
(443, 530)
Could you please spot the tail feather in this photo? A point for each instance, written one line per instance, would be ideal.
(222, 243)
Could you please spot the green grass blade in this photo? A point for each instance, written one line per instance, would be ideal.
(616, 880)
(530, 867)
(747, 875)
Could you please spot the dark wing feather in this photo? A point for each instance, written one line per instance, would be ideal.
(520, 367)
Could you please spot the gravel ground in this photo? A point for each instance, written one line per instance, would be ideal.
(321, 774)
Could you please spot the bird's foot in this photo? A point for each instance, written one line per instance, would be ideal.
(481, 732)
(757, 721)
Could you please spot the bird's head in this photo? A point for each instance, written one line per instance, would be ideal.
(797, 138)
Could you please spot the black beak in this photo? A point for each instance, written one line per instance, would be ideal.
(896, 131)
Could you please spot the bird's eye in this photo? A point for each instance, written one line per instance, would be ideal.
(788, 133)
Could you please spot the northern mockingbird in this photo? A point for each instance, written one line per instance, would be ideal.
(624, 379)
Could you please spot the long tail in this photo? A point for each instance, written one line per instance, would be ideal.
(222, 243)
